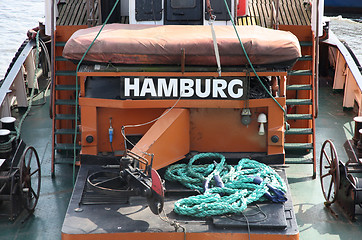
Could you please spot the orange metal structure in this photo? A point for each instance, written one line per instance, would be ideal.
(211, 125)
(181, 236)
(177, 127)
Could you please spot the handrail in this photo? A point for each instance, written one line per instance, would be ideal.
(9, 79)
(274, 11)
(353, 66)
(316, 66)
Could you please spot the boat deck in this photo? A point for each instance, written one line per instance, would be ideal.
(291, 12)
(313, 219)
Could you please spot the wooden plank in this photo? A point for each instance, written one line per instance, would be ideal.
(83, 18)
(97, 15)
(302, 12)
(262, 17)
(269, 9)
(265, 14)
(294, 18)
(67, 10)
(61, 11)
(282, 17)
(294, 12)
(253, 13)
(75, 13)
(307, 15)
(70, 13)
(82, 7)
(298, 12)
(77, 20)
(287, 14)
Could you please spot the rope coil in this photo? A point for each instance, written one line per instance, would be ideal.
(239, 188)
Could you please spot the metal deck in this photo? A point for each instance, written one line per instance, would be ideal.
(106, 219)
(314, 221)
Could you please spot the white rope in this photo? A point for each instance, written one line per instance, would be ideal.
(216, 48)
(123, 130)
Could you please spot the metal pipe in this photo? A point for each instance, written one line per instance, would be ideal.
(316, 66)
(272, 10)
(52, 97)
(277, 16)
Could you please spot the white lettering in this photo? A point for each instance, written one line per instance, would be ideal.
(128, 87)
(163, 88)
(186, 89)
(240, 91)
(148, 87)
(218, 87)
(207, 91)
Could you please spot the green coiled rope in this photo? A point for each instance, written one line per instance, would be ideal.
(238, 191)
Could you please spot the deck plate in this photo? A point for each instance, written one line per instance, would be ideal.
(135, 216)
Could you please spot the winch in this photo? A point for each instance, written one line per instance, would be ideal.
(20, 172)
(131, 181)
(342, 181)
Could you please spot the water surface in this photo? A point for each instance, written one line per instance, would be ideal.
(16, 17)
(350, 31)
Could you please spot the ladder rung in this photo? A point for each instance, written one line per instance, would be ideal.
(299, 101)
(298, 146)
(305, 58)
(65, 102)
(66, 146)
(299, 131)
(298, 160)
(300, 72)
(60, 44)
(60, 58)
(299, 116)
(306, 43)
(64, 161)
(65, 87)
(65, 73)
(65, 131)
(300, 87)
(64, 117)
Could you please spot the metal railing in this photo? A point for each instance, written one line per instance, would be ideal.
(14, 85)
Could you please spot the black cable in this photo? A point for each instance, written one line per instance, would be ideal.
(111, 147)
(260, 211)
(245, 216)
(247, 223)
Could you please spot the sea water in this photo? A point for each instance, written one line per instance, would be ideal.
(350, 31)
(17, 16)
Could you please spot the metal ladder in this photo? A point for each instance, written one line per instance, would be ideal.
(300, 138)
(63, 105)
